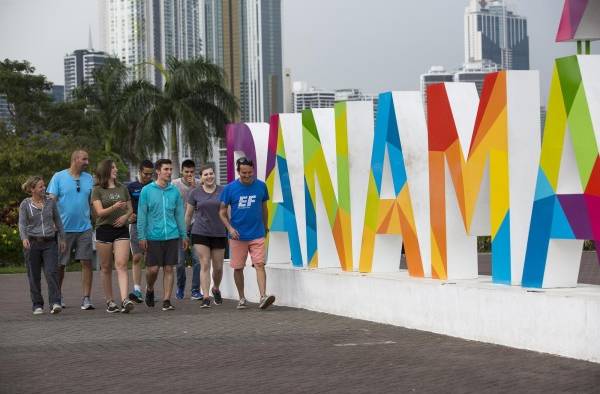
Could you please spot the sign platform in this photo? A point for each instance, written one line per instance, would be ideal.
(564, 322)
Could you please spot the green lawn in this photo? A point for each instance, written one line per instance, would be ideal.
(21, 269)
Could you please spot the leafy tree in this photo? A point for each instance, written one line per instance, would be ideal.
(27, 94)
(194, 100)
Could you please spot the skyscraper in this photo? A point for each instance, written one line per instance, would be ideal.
(495, 33)
(244, 37)
(5, 115)
(142, 31)
(79, 69)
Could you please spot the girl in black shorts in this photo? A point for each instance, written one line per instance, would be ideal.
(112, 206)
(209, 238)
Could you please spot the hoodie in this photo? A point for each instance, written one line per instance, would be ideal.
(160, 214)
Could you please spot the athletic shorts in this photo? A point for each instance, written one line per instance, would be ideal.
(107, 234)
(161, 253)
(79, 243)
(239, 251)
(135, 242)
(210, 242)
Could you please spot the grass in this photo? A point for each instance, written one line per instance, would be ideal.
(72, 267)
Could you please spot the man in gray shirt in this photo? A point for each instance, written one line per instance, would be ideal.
(187, 182)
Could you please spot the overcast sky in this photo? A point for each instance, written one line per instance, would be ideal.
(374, 45)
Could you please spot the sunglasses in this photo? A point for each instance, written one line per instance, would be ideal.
(78, 182)
(242, 161)
(147, 173)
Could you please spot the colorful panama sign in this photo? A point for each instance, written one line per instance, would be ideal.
(350, 194)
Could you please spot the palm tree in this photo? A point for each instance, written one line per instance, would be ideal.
(194, 100)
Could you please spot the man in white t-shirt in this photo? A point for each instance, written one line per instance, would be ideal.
(187, 182)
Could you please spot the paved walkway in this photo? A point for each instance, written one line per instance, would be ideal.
(280, 350)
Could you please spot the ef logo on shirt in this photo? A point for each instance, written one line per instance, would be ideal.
(246, 201)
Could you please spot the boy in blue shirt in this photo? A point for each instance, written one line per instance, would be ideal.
(161, 230)
(247, 228)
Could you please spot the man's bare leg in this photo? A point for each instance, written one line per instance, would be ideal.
(167, 282)
(86, 277)
(136, 269)
(261, 279)
(238, 277)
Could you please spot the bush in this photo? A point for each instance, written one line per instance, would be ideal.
(11, 248)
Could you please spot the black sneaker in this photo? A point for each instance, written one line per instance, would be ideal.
(126, 306)
(111, 307)
(167, 306)
(217, 296)
(205, 302)
(136, 296)
(150, 298)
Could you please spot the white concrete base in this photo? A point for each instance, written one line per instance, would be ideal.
(564, 322)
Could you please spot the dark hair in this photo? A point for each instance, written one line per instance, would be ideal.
(146, 164)
(205, 167)
(160, 163)
(243, 161)
(103, 173)
(188, 164)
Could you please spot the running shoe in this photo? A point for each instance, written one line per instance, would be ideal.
(196, 295)
(38, 311)
(167, 305)
(206, 303)
(126, 306)
(86, 304)
(111, 307)
(180, 293)
(150, 298)
(136, 296)
(217, 296)
(266, 301)
(243, 304)
(56, 308)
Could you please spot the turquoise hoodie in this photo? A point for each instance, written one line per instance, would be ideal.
(160, 214)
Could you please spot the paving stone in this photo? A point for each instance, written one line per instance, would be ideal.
(225, 350)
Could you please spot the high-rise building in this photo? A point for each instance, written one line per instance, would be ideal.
(436, 74)
(79, 69)
(244, 37)
(357, 95)
(495, 33)
(143, 31)
(310, 97)
(475, 72)
(5, 117)
(57, 92)
(288, 100)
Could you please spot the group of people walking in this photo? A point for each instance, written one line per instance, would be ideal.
(159, 221)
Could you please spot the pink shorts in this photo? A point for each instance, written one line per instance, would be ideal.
(239, 252)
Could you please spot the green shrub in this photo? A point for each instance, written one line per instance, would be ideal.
(11, 248)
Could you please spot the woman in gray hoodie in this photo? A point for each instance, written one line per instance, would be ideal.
(41, 231)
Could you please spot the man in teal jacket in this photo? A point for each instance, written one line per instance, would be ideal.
(161, 225)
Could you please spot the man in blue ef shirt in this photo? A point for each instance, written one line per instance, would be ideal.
(247, 228)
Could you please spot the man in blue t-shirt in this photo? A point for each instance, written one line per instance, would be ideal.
(146, 170)
(247, 197)
(72, 189)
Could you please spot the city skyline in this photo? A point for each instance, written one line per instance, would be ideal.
(358, 34)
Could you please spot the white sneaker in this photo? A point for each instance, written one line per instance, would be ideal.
(243, 304)
(56, 308)
(38, 311)
(266, 301)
